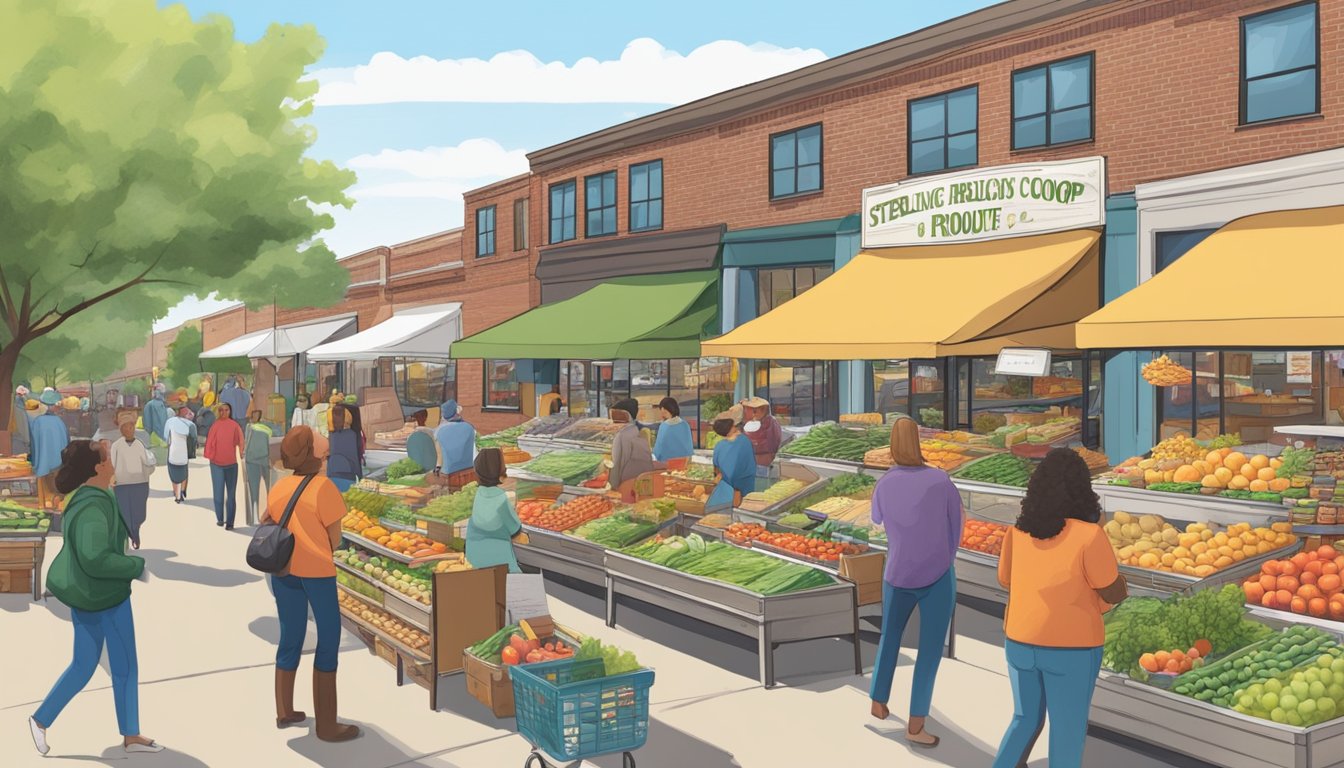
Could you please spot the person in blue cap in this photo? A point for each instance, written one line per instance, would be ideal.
(48, 436)
(456, 439)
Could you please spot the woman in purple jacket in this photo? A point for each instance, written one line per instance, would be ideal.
(921, 511)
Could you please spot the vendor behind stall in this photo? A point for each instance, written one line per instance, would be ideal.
(494, 521)
(762, 430)
(456, 439)
(734, 462)
(674, 442)
(630, 453)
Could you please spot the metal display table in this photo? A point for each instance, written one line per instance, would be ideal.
(1188, 506)
(823, 612)
(978, 576)
(566, 555)
(1211, 733)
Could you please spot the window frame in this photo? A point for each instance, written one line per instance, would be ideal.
(630, 195)
(401, 379)
(1013, 117)
(492, 232)
(520, 224)
(821, 161)
(486, 364)
(909, 135)
(793, 270)
(1241, 63)
(601, 210)
(550, 211)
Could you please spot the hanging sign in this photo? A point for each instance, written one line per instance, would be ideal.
(986, 204)
(1299, 367)
(1022, 362)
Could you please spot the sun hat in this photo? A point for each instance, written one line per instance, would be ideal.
(756, 402)
(50, 397)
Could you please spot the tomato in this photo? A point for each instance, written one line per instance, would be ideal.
(509, 655)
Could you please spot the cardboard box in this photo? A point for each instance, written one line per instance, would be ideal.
(490, 684)
(866, 571)
(468, 607)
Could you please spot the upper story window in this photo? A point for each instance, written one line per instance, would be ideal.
(795, 161)
(485, 231)
(562, 211)
(646, 196)
(520, 224)
(599, 204)
(1280, 73)
(943, 131)
(1052, 103)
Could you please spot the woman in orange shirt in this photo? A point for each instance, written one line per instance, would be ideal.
(1061, 575)
(309, 582)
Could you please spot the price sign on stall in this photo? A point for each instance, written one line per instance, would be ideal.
(1023, 362)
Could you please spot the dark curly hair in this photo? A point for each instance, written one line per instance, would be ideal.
(1059, 490)
(79, 463)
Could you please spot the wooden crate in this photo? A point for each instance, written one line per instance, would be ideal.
(384, 651)
(16, 581)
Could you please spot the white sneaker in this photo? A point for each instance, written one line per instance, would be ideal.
(138, 747)
(39, 737)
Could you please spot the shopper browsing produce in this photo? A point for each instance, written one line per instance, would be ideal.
(630, 454)
(734, 462)
(762, 430)
(1061, 575)
(456, 439)
(343, 465)
(674, 434)
(920, 509)
(309, 583)
(493, 519)
(48, 436)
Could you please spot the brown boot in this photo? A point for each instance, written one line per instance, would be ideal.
(285, 715)
(324, 701)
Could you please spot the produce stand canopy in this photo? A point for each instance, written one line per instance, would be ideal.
(933, 301)
(280, 342)
(642, 317)
(1189, 303)
(420, 333)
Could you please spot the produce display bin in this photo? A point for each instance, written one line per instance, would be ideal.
(1187, 506)
(1210, 733)
(566, 555)
(822, 612)
(978, 576)
(1153, 583)
(789, 470)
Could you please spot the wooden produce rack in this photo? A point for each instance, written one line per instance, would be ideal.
(21, 555)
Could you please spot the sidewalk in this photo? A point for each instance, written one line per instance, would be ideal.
(206, 632)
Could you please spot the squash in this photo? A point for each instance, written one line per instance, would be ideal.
(1234, 461)
(1187, 474)
(1211, 481)
(1259, 486)
(1280, 484)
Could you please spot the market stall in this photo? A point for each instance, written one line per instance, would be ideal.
(23, 542)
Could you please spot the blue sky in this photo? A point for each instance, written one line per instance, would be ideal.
(427, 99)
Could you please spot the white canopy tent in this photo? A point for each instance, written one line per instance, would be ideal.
(280, 344)
(419, 333)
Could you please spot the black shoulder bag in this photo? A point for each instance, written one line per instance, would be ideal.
(273, 545)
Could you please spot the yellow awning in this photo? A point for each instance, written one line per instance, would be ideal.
(933, 301)
(1269, 280)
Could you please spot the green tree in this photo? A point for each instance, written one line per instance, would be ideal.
(184, 358)
(145, 157)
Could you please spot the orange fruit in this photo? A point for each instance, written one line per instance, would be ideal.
(1272, 567)
(1297, 605)
(1265, 474)
(1254, 592)
(1270, 600)
(1329, 583)
(1234, 461)
(1317, 607)
(1249, 472)
(1149, 662)
(1308, 592)
(1259, 461)
(1327, 553)
(1283, 597)
(1288, 583)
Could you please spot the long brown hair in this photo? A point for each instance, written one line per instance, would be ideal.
(905, 450)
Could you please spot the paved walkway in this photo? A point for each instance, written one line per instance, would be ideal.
(206, 632)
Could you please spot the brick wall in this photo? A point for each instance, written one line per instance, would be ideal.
(1166, 105)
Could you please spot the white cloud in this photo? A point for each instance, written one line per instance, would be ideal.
(645, 73)
(473, 159)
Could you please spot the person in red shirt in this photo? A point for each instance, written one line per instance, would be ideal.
(223, 447)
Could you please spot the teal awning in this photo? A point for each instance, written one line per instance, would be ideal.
(644, 317)
(806, 243)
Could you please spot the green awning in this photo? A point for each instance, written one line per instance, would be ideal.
(804, 243)
(644, 317)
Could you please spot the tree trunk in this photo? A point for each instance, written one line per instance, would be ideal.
(9, 360)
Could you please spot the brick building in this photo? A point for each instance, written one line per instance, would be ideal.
(1163, 91)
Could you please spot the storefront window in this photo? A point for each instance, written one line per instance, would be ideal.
(649, 384)
(362, 375)
(800, 392)
(423, 384)
(777, 286)
(323, 379)
(1173, 245)
(573, 386)
(1250, 393)
(502, 390)
(1279, 63)
(997, 401)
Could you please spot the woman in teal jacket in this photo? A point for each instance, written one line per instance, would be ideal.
(92, 574)
(674, 434)
(494, 522)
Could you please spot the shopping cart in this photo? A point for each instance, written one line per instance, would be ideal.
(568, 710)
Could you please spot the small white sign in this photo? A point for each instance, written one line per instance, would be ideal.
(525, 597)
(986, 204)
(1299, 365)
(1017, 361)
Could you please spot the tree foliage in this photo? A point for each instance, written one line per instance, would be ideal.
(184, 358)
(145, 157)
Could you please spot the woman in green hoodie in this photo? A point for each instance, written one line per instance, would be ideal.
(92, 574)
(494, 521)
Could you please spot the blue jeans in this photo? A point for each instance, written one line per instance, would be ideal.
(1057, 681)
(225, 481)
(342, 484)
(293, 596)
(936, 603)
(116, 627)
